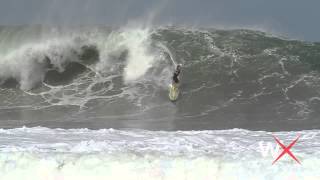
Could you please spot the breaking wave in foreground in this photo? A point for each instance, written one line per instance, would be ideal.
(57, 154)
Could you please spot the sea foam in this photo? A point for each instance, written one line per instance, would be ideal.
(42, 153)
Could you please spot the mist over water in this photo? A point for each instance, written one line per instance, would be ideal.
(294, 19)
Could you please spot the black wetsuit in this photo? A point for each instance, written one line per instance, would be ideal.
(175, 76)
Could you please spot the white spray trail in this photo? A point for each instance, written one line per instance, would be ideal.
(136, 42)
(169, 52)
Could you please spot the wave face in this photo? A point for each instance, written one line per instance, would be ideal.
(42, 153)
(105, 77)
(101, 77)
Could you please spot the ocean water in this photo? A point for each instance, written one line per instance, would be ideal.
(43, 153)
(92, 103)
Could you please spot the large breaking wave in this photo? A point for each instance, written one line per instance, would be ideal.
(46, 59)
(234, 78)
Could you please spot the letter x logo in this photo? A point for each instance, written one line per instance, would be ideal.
(286, 149)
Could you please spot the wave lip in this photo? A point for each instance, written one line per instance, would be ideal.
(29, 64)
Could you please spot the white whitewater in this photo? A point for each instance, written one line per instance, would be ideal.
(42, 153)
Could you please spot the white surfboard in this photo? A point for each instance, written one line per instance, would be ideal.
(173, 92)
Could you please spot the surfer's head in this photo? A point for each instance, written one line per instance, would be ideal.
(179, 66)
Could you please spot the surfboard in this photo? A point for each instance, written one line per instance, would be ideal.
(173, 92)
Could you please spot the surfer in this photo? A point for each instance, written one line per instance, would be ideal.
(175, 78)
(174, 86)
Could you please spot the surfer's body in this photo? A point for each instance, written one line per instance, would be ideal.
(175, 77)
(174, 86)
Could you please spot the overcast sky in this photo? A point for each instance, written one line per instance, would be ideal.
(297, 19)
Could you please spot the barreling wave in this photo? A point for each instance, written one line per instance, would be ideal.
(41, 59)
(239, 77)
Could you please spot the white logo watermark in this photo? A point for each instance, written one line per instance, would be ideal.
(272, 148)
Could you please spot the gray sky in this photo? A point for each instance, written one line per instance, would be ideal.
(294, 18)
